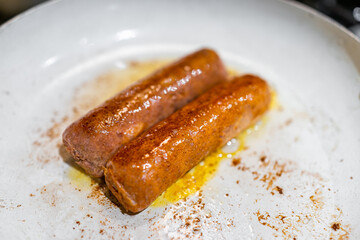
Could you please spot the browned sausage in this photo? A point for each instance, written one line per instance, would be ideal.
(92, 139)
(145, 167)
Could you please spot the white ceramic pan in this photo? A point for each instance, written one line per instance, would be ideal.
(297, 176)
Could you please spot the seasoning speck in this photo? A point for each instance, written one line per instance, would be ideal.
(335, 226)
(279, 189)
(235, 161)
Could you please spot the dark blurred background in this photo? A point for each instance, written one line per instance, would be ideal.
(10, 8)
(346, 12)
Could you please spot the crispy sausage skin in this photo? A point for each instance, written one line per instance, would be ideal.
(145, 167)
(95, 137)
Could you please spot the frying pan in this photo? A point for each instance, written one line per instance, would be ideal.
(59, 60)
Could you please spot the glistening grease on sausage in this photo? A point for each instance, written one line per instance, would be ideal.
(145, 167)
(95, 137)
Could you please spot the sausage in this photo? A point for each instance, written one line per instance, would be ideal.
(95, 137)
(145, 167)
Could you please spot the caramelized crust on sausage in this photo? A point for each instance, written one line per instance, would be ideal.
(95, 137)
(145, 167)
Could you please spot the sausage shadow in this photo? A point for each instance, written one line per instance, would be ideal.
(68, 159)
